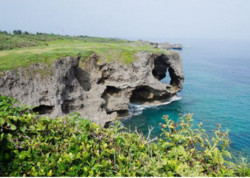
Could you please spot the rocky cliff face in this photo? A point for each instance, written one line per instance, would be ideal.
(100, 92)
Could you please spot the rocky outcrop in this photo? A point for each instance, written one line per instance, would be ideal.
(101, 92)
(163, 45)
(167, 46)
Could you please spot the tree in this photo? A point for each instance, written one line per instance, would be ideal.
(17, 32)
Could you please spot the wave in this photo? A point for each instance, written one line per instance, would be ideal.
(136, 109)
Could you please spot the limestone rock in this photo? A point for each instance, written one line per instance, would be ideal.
(100, 92)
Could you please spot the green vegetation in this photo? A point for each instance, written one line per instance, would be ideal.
(71, 146)
(22, 49)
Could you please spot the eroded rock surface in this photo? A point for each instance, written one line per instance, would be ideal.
(100, 92)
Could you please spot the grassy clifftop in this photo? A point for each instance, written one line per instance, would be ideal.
(23, 49)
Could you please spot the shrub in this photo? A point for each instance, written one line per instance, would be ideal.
(4, 32)
(71, 146)
(17, 32)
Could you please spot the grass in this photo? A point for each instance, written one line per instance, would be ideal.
(25, 49)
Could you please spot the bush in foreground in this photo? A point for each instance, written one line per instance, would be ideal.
(71, 146)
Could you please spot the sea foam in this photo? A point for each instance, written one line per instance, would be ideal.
(136, 109)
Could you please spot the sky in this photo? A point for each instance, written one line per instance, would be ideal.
(223, 19)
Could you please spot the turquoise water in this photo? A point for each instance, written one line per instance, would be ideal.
(216, 90)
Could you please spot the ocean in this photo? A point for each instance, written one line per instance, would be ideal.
(216, 90)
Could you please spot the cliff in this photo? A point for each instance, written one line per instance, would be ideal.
(99, 91)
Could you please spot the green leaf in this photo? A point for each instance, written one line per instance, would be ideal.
(23, 129)
(12, 127)
(32, 127)
(22, 155)
(1, 137)
(50, 173)
(1, 121)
